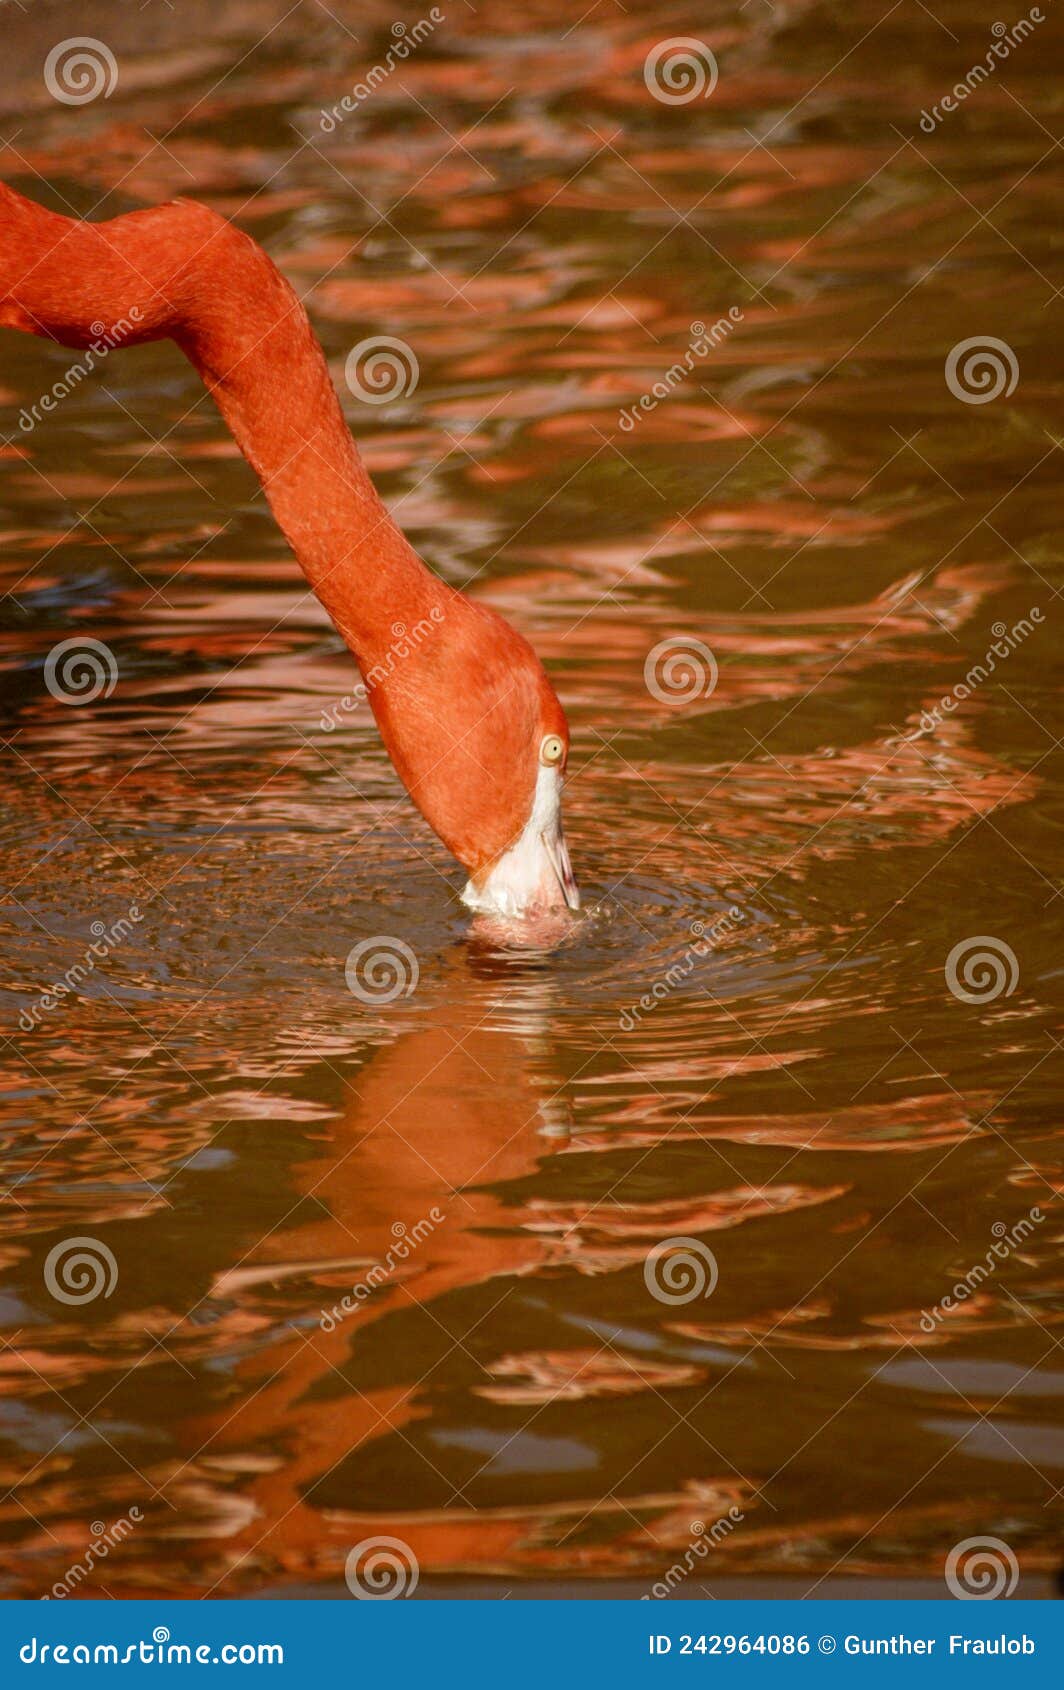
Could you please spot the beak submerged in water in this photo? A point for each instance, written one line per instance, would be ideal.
(535, 873)
(558, 853)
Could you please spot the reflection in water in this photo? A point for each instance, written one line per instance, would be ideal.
(380, 1266)
(410, 1188)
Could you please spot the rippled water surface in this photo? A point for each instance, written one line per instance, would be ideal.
(749, 1039)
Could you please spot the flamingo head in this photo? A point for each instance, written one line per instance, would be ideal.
(480, 740)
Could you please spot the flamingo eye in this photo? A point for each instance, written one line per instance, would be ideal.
(552, 749)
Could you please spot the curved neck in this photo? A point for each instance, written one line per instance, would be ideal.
(181, 272)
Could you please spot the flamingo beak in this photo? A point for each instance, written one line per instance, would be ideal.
(557, 850)
(536, 868)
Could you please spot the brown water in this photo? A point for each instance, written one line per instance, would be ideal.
(805, 1096)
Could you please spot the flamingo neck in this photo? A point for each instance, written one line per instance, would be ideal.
(181, 272)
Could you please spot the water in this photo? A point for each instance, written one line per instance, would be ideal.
(482, 1164)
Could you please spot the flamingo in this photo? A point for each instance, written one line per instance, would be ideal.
(470, 721)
